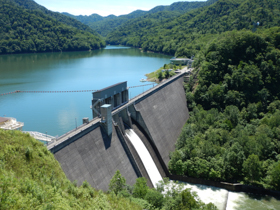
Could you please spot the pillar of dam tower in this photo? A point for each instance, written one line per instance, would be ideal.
(106, 118)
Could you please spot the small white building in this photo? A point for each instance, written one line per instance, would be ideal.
(9, 123)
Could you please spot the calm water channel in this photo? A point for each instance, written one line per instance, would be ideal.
(56, 113)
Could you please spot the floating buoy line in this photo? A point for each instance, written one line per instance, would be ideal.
(62, 91)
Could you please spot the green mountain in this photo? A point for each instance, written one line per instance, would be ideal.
(187, 34)
(31, 30)
(104, 25)
(110, 22)
(31, 5)
(86, 19)
(182, 7)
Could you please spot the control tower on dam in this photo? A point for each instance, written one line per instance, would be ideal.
(100, 147)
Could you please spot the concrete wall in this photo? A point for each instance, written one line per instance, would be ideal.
(95, 158)
(165, 113)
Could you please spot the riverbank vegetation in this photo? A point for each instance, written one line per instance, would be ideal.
(165, 72)
(166, 196)
(233, 131)
(32, 30)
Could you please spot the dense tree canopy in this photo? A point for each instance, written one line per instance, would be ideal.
(233, 130)
(187, 34)
(24, 30)
(240, 68)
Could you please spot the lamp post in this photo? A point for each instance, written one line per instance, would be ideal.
(76, 122)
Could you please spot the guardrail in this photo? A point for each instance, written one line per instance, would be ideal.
(69, 132)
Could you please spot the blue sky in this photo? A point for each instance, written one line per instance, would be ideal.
(101, 7)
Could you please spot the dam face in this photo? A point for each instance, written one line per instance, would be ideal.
(157, 117)
(164, 113)
(95, 157)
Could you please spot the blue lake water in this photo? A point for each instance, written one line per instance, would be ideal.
(57, 113)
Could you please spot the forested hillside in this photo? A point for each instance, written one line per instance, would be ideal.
(104, 25)
(25, 31)
(110, 22)
(233, 133)
(32, 5)
(189, 33)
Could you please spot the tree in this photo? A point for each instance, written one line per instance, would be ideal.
(188, 200)
(251, 168)
(160, 76)
(140, 188)
(167, 73)
(155, 198)
(274, 173)
(117, 183)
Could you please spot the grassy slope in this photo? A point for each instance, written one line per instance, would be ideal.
(31, 178)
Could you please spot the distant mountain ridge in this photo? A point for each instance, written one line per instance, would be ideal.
(25, 30)
(104, 25)
(187, 34)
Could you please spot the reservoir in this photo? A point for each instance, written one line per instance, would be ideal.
(58, 113)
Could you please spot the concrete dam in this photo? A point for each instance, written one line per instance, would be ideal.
(98, 148)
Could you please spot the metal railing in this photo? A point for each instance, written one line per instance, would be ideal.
(40, 136)
(11, 124)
